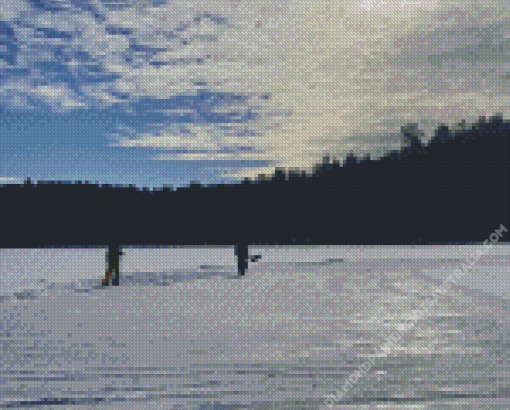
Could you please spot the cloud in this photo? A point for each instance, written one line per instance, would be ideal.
(282, 82)
(390, 6)
(7, 180)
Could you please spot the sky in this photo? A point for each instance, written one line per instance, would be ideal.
(161, 92)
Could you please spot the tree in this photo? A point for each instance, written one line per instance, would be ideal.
(411, 134)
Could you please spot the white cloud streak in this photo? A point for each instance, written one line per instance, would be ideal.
(331, 70)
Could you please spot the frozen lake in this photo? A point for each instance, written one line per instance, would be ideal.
(184, 331)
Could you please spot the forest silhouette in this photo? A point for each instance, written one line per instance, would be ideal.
(452, 190)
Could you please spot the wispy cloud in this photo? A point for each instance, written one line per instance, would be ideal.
(6, 180)
(277, 81)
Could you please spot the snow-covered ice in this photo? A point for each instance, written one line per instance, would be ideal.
(286, 335)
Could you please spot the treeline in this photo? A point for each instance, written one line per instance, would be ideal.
(454, 189)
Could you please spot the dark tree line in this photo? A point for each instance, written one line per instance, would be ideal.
(453, 190)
